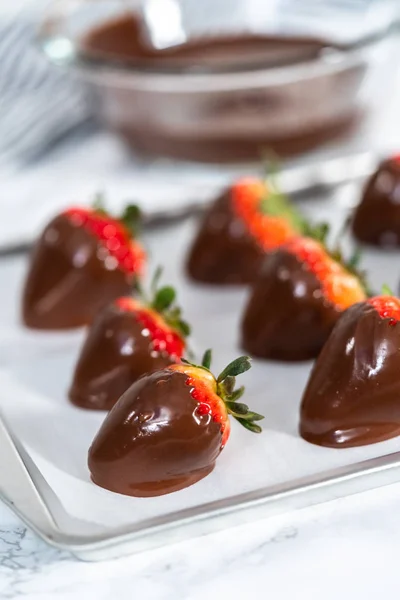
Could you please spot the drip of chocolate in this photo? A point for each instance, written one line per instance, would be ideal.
(223, 251)
(353, 394)
(377, 217)
(287, 317)
(115, 354)
(152, 442)
(70, 278)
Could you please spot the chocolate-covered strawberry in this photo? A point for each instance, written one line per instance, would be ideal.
(127, 339)
(353, 394)
(377, 217)
(84, 259)
(167, 430)
(301, 291)
(248, 220)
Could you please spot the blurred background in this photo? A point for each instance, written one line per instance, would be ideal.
(164, 101)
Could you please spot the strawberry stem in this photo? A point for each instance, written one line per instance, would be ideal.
(99, 203)
(155, 280)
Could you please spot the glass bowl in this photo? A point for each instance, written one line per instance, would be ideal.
(225, 95)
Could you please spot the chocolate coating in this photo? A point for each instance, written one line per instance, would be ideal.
(353, 394)
(114, 355)
(223, 252)
(153, 442)
(287, 317)
(69, 278)
(377, 217)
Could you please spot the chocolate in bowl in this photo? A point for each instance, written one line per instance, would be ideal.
(122, 40)
(216, 99)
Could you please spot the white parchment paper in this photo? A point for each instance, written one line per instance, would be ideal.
(35, 373)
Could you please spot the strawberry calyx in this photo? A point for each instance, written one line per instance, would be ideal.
(164, 340)
(162, 300)
(160, 317)
(267, 214)
(387, 305)
(341, 282)
(115, 234)
(224, 387)
(131, 217)
(275, 203)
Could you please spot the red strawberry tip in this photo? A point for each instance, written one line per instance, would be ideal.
(226, 382)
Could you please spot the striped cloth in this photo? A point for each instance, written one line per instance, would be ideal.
(39, 105)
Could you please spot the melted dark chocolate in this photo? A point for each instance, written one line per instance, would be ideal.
(69, 278)
(122, 39)
(153, 442)
(353, 394)
(377, 217)
(287, 317)
(115, 354)
(223, 252)
(234, 135)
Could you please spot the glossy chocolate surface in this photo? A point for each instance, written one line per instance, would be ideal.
(377, 218)
(353, 394)
(223, 252)
(69, 278)
(153, 442)
(115, 354)
(123, 39)
(286, 317)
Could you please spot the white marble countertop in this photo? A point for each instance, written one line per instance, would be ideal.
(343, 549)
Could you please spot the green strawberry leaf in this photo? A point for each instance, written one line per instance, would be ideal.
(235, 368)
(183, 327)
(164, 297)
(162, 300)
(229, 385)
(386, 290)
(318, 231)
(253, 427)
(236, 394)
(237, 408)
(206, 362)
(131, 218)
